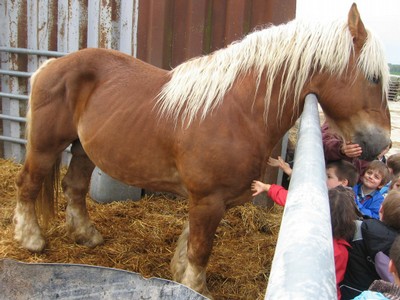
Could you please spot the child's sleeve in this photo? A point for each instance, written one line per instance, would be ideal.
(331, 144)
(372, 210)
(382, 266)
(278, 194)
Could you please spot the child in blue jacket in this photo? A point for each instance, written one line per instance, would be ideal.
(367, 195)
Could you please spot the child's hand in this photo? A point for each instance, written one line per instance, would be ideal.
(350, 150)
(280, 163)
(258, 187)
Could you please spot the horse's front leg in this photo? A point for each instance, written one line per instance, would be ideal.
(195, 244)
(76, 185)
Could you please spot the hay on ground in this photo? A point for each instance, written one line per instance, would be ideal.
(141, 237)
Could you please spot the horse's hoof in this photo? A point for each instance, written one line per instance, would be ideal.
(89, 238)
(32, 243)
(28, 235)
(95, 240)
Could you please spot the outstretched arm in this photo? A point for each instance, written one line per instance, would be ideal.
(258, 187)
(276, 192)
(280, 163)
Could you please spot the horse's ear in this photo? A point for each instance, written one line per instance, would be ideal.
(356, 27)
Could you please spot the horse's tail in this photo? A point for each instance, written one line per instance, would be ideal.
(47, 199)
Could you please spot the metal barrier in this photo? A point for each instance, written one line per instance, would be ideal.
(394, 88)
(303, 264)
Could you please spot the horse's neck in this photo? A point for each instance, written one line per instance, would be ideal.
(281, 110)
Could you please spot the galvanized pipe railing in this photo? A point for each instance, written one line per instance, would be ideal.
(14, 96)
(303, 264)
(32, 51)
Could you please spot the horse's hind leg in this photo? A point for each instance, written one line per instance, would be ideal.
(75, 186)
(29, 182)
(194, 247)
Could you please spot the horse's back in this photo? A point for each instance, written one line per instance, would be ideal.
(101, 69)
(99, 64)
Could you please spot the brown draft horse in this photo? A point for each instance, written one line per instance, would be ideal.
(203, 130)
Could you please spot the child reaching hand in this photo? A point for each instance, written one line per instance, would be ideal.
(338, 172)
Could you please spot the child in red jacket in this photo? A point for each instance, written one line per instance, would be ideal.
(338, 172)
(343, 215)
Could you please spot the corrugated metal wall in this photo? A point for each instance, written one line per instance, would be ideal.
(165, 32)
(170, 32)
(161, 32)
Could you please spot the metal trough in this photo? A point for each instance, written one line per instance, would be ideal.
(72, 281)
(105, 189)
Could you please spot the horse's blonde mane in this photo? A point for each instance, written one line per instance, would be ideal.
(298, 47)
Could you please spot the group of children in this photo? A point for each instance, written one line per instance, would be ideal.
(365, 218)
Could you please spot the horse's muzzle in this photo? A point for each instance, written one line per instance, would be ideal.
(372, 141)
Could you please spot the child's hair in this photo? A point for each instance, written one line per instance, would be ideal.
(393, 162)
(345, 170)
(394, 180)
(343, 212)
(391, 210)
(381, 168)
(394, 254)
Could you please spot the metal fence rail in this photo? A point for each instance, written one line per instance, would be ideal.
(394, 88)
(13, 103)
(303, 264)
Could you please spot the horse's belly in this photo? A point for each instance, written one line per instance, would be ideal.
(135, 158)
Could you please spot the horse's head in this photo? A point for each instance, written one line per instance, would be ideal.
(354, 101)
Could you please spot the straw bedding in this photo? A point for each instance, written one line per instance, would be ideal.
(141, 237)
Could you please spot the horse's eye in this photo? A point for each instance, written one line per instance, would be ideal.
(375, 79)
